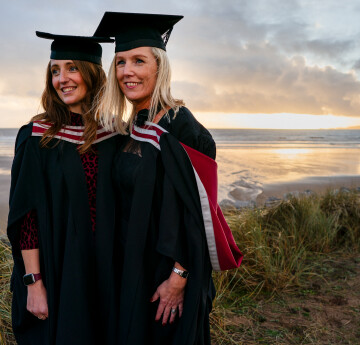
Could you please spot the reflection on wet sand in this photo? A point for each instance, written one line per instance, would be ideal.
(247, 173)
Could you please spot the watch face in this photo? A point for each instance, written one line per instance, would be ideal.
(185, 274)
(29, 279)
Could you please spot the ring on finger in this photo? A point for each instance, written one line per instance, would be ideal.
(173, 310)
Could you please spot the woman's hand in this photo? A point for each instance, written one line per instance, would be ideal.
(37, 300)
(171, 294)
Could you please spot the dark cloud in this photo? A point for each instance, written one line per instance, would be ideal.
(356, 65)
(255, 61)
(294, 40)
(259, 79)
(229, 56)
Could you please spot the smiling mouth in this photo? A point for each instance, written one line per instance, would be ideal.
(131, 85)
(68, 89)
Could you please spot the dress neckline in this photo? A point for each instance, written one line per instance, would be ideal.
(75, 114)
(76, 119)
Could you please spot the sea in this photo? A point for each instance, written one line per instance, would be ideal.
(251, 159)
(7, 141)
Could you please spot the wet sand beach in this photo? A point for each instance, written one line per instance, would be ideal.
(255, 166)
(318, 185)
(249, 176)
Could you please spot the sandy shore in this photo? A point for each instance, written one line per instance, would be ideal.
(249, 176)
(240, 196)
(5, 166)
(317, 185)
(243, 194)
(4, 201)
(262, 194)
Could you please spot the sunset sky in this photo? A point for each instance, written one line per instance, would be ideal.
(236, 63)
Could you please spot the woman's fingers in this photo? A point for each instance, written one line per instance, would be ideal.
(41, 317)
(155, 296)
(44, 314)
(37, 300)
(41, 314)
(171, 298)
(160, 310)
(173, 313)
(37, 310)
(181, 307)
(166, 315)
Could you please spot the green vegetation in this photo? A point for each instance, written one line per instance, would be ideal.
(284, 247)
(302, 249)
(6, 337)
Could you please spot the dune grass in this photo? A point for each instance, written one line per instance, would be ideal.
(282, 246)
(6, 337)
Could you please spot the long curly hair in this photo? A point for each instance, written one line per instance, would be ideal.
(57, 112)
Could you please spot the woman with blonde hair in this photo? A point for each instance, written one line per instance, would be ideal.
(163, 261)
(61, 216)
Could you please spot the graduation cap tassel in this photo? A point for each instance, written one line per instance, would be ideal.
(166, 36)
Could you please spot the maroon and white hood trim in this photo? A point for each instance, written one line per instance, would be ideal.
(223, 251)
(72, 134)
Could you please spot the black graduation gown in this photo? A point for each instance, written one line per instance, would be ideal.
(161, 229)
(76, 263)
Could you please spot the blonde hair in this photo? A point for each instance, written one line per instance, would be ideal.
(111, 109)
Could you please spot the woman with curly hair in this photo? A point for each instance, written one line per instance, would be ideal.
(61, 216)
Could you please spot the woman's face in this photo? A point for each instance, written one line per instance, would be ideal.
(68, 83)
(136, 72)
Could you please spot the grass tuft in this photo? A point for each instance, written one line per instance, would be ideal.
(6, 263)
(283, 246)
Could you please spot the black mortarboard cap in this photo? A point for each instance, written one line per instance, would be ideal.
(133, 30)
(84, 48)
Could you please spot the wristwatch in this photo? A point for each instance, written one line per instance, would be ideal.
(31, 278)
(181, 273)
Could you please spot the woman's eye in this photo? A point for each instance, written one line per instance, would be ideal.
(73, 69)
(139, 61)
(54, 71)
(120, 62)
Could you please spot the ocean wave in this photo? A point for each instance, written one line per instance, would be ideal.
(288, 145)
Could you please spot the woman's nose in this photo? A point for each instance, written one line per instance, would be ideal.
(128, 70)
(63, 77)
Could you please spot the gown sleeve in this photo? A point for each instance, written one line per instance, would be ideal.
(26, 190)
(206, 145)
(172, 242)
(184, 127)
(172, 235)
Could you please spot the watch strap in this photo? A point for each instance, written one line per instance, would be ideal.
(37, 276)
(181, 273)
(31, 278)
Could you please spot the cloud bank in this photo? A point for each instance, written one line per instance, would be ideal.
(250, 56)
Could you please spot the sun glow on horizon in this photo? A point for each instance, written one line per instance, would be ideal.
(275, 121)
(291, 152)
